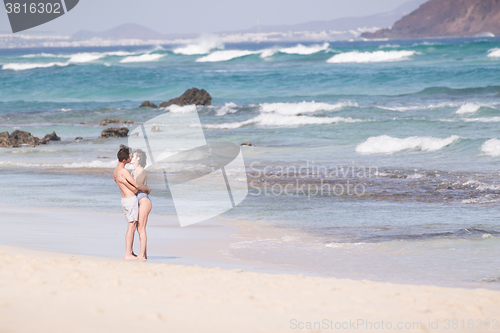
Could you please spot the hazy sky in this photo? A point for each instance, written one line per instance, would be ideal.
(196, 16)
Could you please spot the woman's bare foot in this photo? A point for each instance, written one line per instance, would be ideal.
(130, 257)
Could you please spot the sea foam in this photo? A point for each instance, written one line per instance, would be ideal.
(142, 58)
(278, 120)
(494, 53)
(366, 57)
(305, 50)
(303, 107)
(483, 120)
(225, 55)
(181, 109)
(204, 45)
(227, 108)
(491, 147)
(468, 108)
(26, 66)
(385, 144)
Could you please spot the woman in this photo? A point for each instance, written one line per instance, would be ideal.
(139, 162)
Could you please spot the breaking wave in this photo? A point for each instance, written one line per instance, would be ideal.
(483, 120)
(468, 108)
(385, 144)
(494, 53)
(367, 57)
(299, 49)
(26, 66)
(225, 55)
(142, 58)
(227, 108)
(278, 120)
(303, 107)
(491, 147)
(204, 46)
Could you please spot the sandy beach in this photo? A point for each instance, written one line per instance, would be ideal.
(53, 292)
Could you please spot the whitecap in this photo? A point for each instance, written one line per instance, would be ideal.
(385, 144)
(85, 57)
(468, 108)
(491, 147)
(303, 107)
(278, 120)
(26, 66)
(304, 50)
(225, 55)
(203, 46)
(142, 58)
(367, 57)
(174, 108)
(483, 120)
(494, 53)
(227, 108)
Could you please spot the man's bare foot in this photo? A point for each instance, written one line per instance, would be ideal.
(130, 257)
(142, 258)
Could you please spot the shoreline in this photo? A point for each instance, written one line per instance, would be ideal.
(64, 292)
(102, 234)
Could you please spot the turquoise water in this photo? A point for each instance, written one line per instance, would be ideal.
(416, 120)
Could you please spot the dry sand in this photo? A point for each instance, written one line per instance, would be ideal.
(54, 292)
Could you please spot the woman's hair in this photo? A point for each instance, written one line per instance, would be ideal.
(142, 157)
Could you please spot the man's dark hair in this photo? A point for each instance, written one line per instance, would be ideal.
(142, 157)
(123, 154)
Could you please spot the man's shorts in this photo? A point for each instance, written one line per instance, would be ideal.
(131, 208)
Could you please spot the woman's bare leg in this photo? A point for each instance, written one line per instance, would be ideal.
(144, 210)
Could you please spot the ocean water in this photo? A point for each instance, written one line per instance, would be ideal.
(371, 159)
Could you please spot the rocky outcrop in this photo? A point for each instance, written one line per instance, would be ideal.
(446, 18)
(114, 132)
(107, 121)
(51, 137)
(24, 139)
(148, 104)
(193, 96)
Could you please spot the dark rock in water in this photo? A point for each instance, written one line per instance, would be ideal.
(191, 96)
(247, 144)
(24, 139)
(148, 104)
(114, 132)
(299, 114)
(78, 138)
(19, 139)
(107, 121)
(51, 137)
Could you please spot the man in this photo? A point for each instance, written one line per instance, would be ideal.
(128, 188)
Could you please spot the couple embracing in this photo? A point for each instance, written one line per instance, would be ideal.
(135, 200)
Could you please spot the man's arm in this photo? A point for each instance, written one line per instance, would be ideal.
(129, 181)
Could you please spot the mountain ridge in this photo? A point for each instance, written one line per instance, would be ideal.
(445, 18)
